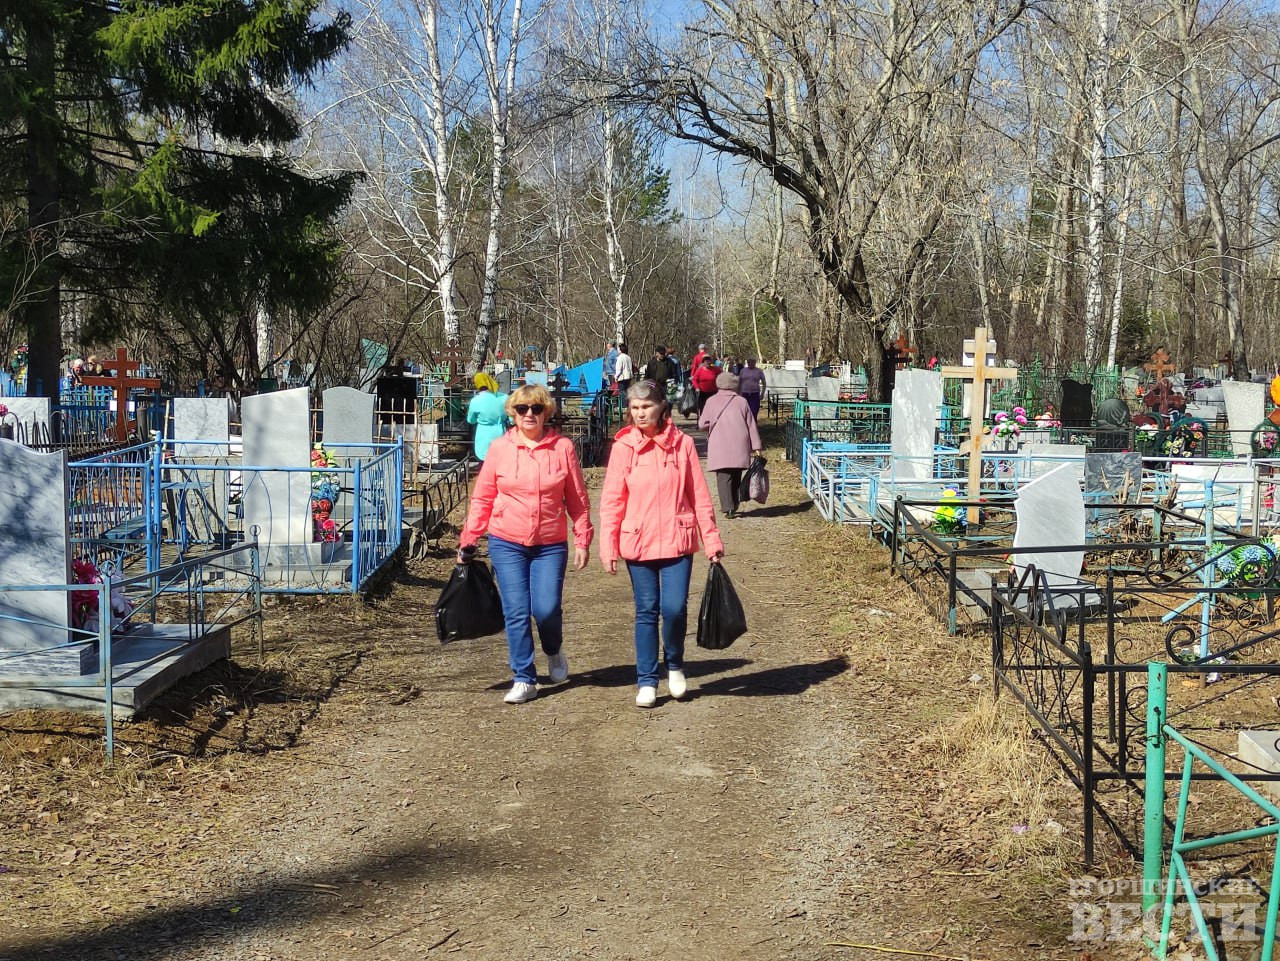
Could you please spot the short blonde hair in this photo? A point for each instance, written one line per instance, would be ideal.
(531, 394)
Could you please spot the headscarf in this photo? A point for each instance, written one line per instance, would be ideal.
(484, 381)
(726, 381)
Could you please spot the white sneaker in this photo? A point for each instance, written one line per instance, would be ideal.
(558, 667)
(677, 684)
(647, 696)
(520, 692)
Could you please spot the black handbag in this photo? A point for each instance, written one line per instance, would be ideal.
(469, 606)
(721, 619)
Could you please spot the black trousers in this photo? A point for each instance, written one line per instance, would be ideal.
(729, 487)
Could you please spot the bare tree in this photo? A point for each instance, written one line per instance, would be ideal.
(843, 105)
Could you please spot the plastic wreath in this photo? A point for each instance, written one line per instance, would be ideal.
(1185, 438)
(1265, 440)
(84, 604)
(1248, 568)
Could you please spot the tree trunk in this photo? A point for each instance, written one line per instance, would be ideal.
(1096, 229)
(42, 311)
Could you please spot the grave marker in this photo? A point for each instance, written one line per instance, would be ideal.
(913, 420)
(277, 433)
(35, 546)
(121, 382)
(1160, 365)
(348, 419)
(204, 419)
(979, 375)
(1050, 513)
(1246, 409)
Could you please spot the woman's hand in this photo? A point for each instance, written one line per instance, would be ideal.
(715, 558)
(610, 567)
(580, 557)
(466, 554)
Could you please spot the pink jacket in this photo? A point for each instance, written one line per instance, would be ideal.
(655, 501)
(522, 493)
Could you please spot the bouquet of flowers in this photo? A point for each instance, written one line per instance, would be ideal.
(84, 604)
(325, 490)
(949, 518)
(1009, 424)
(1265, 440)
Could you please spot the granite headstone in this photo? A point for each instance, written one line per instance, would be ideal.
(348, 419)
(1246, 409)
(913, 421)
(35, 547)
(1050, 513)
(206, 419)
(277, 434)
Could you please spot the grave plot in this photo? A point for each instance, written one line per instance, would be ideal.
(75, 632)
(325, 518)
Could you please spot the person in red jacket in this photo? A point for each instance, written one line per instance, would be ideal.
(654, 507)
(704, 380)
(530, 481)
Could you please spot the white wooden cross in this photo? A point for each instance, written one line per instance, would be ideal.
(979, 375)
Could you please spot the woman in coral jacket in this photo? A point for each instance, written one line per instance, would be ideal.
(654, 507)
(530, 482)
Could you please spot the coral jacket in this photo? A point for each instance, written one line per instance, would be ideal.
(704, 378)
(655, 502)
(525, 494)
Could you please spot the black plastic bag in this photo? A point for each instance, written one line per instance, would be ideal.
(721, 620)
(688, 403)
(756, 481)
(469, 605)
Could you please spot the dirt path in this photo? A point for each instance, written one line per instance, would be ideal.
(417, 815)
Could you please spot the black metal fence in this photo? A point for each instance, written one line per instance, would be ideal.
(1076, 658)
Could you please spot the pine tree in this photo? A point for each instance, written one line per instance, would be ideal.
(142, 154)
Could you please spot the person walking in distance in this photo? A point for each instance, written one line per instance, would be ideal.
(623, 372)
(610, 363)
(530, 483)
(704, 379)
(751, 386)
(487, 410)
(654, 508)
(732, 440)
(660, 371)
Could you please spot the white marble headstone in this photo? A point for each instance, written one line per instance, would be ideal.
(1050, 513)
(421, 443)
(913, 420)
(1246, 409)
(206, 419)
(277, 433)
(35, 546)
(786, 382)
(348, 417)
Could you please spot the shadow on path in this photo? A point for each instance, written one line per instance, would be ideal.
(792, 679)
(297, 902)
(777, 510)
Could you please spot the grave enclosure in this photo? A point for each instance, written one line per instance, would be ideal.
(1081, 555)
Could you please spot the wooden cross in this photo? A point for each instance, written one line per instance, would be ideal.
(454, 363)
(979, 375)
(121, 367)
(1160, 365)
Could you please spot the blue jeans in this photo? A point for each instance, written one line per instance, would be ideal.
(531, 580)
(660, 588)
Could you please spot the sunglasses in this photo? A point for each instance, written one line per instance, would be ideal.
(535, 409)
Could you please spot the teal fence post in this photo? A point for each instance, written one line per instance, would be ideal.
(1153, 817)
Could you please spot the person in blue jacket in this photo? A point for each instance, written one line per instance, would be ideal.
(488, 411)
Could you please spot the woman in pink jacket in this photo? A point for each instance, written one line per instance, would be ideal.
(732, 440)
(654, 507)
(530, 481)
